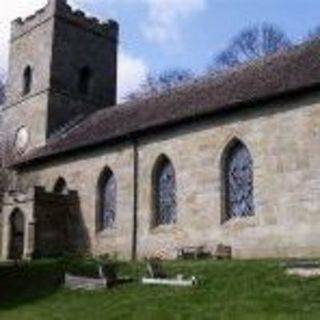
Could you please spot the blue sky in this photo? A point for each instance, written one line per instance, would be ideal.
(207, 30)
(160, 34)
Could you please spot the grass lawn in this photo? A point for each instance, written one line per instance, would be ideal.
(228, 290)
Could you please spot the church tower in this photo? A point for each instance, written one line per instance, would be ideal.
(62, 67)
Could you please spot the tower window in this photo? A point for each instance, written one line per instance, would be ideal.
(84, 80)
(27, 80)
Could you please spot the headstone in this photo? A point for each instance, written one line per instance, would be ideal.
(155, 269)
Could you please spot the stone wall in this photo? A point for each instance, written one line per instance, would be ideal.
(24, 202)
(283, 138)
(32, 114)
(34, 50)
(285, 149)
(60, 227)
(74, 48)
(81, 175)
(56, 43)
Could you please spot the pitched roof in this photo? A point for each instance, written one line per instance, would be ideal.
(282, 73)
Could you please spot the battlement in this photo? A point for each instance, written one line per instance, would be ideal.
(61, 10)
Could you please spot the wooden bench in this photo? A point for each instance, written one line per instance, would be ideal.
(223, 252)
(193, 252)
(155, 269)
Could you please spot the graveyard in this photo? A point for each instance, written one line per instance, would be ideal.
(225, 290)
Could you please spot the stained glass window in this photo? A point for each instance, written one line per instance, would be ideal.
(108, 200)
(238, 175)
(164, 192)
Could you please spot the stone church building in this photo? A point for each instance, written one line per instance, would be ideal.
(232, 160)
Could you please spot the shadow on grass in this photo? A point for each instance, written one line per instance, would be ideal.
(241, 290)
(26, 283)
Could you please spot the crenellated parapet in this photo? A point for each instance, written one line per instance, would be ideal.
(61, 10)
(63, 68)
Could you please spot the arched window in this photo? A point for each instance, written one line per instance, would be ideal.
(27, 80)
(84, 80)
(107, 200)
(164, 193)
(60, 186)
(17, 229)
(237, 175)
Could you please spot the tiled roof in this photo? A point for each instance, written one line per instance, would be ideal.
(274, 76)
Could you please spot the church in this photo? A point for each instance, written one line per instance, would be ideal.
(231, 160)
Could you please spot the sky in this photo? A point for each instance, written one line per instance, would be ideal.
(161, 34)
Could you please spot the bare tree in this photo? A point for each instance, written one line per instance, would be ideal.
(2, 89)
(250, 44)
(166, 81)
(315, 33)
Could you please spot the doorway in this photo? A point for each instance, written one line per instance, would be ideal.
(16, 234)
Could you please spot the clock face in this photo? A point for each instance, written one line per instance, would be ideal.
(21, 139)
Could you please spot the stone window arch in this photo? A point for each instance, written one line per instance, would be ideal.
(237, 181)
(84, 80)
(60, 186)
(27, 80)
(107, 200)
(164, 192)
(16, 234)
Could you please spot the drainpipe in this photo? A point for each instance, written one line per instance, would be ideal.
(135, 198)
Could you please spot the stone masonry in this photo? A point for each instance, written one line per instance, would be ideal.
(281, 133)
(56, 43)
(284, 145)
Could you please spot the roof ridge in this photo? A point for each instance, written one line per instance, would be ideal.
(266, 78)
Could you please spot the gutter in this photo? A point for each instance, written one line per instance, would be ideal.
(236, 106)
(135, 198)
